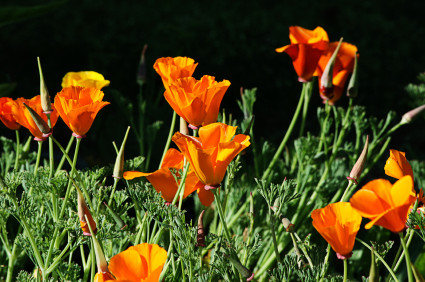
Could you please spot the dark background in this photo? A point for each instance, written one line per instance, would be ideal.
(232, 40)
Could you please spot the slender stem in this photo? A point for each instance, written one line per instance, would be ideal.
(113, 191)
(275, 247)
(221, 214)
(285, 138)
(37, 161)
(12, 261)
(307, 90)
(345, 270)
(68, 148)
(399, 256)
(170, 134)
(407, 257)
(51, 156)
(18, 151)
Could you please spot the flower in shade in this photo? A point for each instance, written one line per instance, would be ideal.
(338, 223)
(197, 101)
(78, 107)
(397, 165)
(84, 79)
(6, 115)
(171, 69)
(143, 262)
(305, 50)
(23, 116)
(385, 204)
(164, 182)
(344, 65)
(211, 153)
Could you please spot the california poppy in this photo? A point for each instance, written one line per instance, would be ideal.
(6, 115)
(385, 204)
(305, 50)
(84, 79)
(197, 101)
(164, 182)
(344, 65)
(397, 165)
(78, 107)
(171, 69)
(338, 223)
(143, 262)
(211, 153)
(24, 118)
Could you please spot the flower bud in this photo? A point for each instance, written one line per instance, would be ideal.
(120, 223)
(183, 127)
(410, 115)
(41, 124)
(200, 238)
(326, 85)
(119, 161)
(84, 213)
(141, 73)
(102, 264)
(243, 271)
(46, 105)
(359, 165)
(353, 85)
(289, 227)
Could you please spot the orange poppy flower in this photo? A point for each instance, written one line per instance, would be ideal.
(305, 50)
(24, 118)
(344, 65)
(143, 262)
(211, 153)
(78, 107)
(6, 115)
(397, 165)
(197, 101)
(84, 79)
(164, 182)
(385, 204)
(171, 69)
(338, 223)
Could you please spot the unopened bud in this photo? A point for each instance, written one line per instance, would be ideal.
(141, 73)
(373, 275)
(353, 85)
(41, 124)
(244, 272)
(183, 127)
(200, 238)
(119, 161)
(87, 223)
(289, 227)
(410, 115)
(46, 105)
(326, 85)
(359, 165)
(120, 223)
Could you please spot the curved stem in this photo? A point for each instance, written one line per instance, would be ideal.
(170, 134)
(407, 257)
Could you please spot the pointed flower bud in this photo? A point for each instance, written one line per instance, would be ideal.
(102, 264)
(41, 124)
(289, 227)
(359, 165)
(200, 238)
(353, 85)
(141, 73)
(244, 272)
(46, 105)
(120, 223)
(410, 115)
(119, 161)
(84, 214)
(326, 80)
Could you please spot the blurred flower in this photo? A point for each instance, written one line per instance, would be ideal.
(305, 50)
(164, 182)
(143, 262)
(171, 69)
(385, 204)
(338, 224)
(84, 79)
(197, 101)
(78, 107)
(397, 165)
(344, 65)
(6, 115)
(211, 153)
(24, 118)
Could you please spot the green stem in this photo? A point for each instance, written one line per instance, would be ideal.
(285, 138)
(37, 161)
(307, 90)
(113, 191)
(68, 148)
(399, 256)
(170, 134)
(221, 214)
(274, 237)
(51, 156)
(345, 270)
(11, 264)
(407, 257)
(18, 151)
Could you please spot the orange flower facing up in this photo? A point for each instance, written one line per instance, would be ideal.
(164, 182)
(197, 101)
(211, 153)
(143, 262)
(338, 224)
(305, 50)
(24, 118)
(171, 69)
(84, 79)
(385, 204)
(397, 165)
(344, 65)
(6, 115)
(78, 107)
